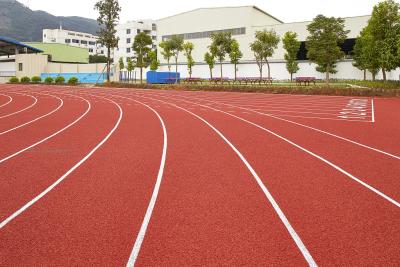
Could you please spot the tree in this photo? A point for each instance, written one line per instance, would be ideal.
(235, 55)
(97, 59)
(365, 53)
(209, 58)
(263, 48)
(385, 30)
(176, 46)
(130, 67)
(166, 52)
(188, 48)
(154, 63)
(142, 47)
(292, 46)
(108, 19)
(326, 34)
(220, 46)
(121, 67)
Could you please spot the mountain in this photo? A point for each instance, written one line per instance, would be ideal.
(21, 23)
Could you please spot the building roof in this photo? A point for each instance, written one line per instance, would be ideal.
(255, 7)
(8, 46)
(63, 53)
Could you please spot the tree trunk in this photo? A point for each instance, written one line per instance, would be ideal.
(190, 73)
(235, 72)
(365, 75)
(269, 70)
(384, 74)
(291, 77)
(327, 75)
(211, 74)
(141, 75)
(261, 72)
(176, 70)
(108, 63)
(220, 63)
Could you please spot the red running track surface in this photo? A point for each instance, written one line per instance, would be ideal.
(334, 180)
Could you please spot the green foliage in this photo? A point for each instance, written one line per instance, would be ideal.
(385, 31)
(121, 63)
(60, 80)
(366, 53)
(25, 79)
(73, 81)
(188, 48)
(235, 55)
(154, 63)
(108, 19)
(142, 47)
(48, 80)
(130, 66)
(97, 59)
(36, 79)
(220, 46)
(263, 47)
(176, 46)
(13, 80)
(326, 34)
(292, 45)
(166, 51)
(209, 58)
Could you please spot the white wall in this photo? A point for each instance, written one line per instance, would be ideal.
(7, 66)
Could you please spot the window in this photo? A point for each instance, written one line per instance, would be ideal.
(83, 42)
(154, 37)
(128, 50)
(206, 34)
(90, 50)
(20, 66)
(128, 31)
(75, 41)
(128, 40)
(44, 35)
(67, 41)
(154, 27)
(146, 31)
(138, 31)
(102, 52)
(92, 43)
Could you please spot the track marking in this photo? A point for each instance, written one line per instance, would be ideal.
(373, 110)
(376, 191)
(34, 120)
(285, 221)
(305, 126)
(9, 101)
(51, 136)
(41, 195)
(19, 111)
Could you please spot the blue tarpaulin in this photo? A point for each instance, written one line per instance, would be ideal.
(154, 77)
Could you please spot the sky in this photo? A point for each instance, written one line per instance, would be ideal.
(285, 10)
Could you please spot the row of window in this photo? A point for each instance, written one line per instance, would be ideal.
(76, 41)
(129, 40)
(128, 31)
(206, 34)
(80, 35)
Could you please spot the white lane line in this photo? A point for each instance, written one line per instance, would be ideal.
(306, 126)
(269, 196)
(376, 191)
(38, 118)
(373, 111)
(41, 195)
(51, 136)
(9, 101)
(22, 110)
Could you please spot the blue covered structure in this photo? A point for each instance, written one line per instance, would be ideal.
(10, 47)
(154, 77)
(82, 77)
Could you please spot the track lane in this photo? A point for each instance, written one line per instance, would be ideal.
(21, 103)
(10, 99)
(358, 212)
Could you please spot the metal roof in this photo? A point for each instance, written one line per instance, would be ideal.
(8, 46)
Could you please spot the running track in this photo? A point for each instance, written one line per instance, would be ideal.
(114, 177)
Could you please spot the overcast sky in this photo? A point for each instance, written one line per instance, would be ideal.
(286, 10)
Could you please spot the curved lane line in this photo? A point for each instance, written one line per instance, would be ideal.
(9, 101)
(373, 189)
(41, 195)
(50, 136)
(38, 118)
(285, 221)
(22, 110)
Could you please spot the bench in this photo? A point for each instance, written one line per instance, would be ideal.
(171, 80)
(219, 80)
(193, 80)
(254, 80)
(305, 80)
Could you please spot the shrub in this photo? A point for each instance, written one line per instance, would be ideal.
(36, 79)
(25, 80)
(14, 80)
(60, 80)
(73, 81)
(48, 80)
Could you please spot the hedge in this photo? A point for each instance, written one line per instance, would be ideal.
(36, 79)
(48, 80)
(73, 81)
(13, 80)
(25, 80)
(60, 80)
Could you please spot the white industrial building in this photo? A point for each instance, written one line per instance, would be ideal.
(196, 25)
(78, 39)
(126, 33)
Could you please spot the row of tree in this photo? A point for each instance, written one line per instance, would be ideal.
(377, 47)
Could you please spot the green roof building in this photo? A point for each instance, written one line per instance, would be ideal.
(62, 52)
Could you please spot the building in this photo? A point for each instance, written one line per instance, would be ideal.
(197, 25)
(126, 33)
(62, 52)
(72, 38)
